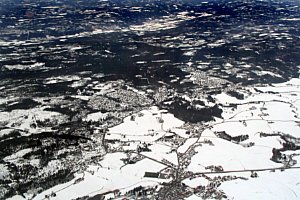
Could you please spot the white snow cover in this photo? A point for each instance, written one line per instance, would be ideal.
(104, 179)
(269, 185)
(61, 79)
(4, 173)
(195, 182)
(164, 23)
(145, 127)
(186, 145)
(97, 116)
(17, 155)
(25, 67)
(194, 197)
(258, 112)
(24, 118)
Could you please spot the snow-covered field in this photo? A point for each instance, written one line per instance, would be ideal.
(269, 110)
(259, 112)
(23, 119)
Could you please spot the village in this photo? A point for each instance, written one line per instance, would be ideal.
(184, 143)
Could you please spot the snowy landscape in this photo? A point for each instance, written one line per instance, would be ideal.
(179, 99)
